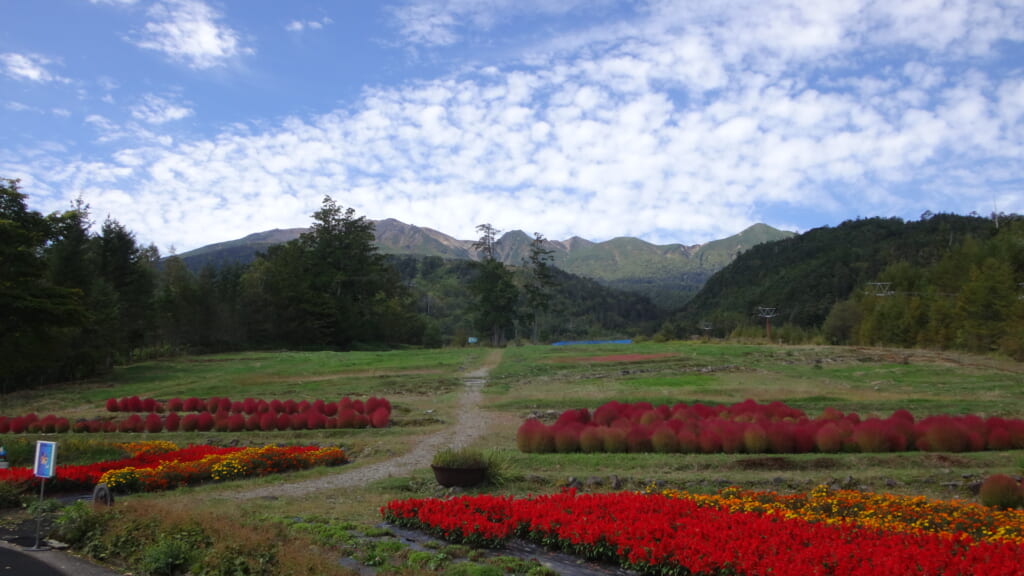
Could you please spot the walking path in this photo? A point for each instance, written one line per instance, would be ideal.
(471, 424)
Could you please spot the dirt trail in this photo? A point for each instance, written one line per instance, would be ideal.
(471, 424)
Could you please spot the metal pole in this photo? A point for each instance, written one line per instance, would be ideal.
(39, 519)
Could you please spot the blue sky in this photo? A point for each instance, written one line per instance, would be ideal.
(198, 121)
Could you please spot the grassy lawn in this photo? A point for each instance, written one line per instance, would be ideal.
(542, 380)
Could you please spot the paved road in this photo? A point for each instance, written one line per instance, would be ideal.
(14, 561)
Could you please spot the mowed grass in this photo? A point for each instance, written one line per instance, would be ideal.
(866, 381)
(268, 375)
(424, 387)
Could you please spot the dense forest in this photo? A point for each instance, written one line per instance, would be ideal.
(944, 281)
(74, 302)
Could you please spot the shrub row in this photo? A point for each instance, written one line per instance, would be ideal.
(201, 422)
(248, 406)
(754, 428)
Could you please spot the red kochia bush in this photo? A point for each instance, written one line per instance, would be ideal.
(380, 417)
(153, 423)
(112, 405)
(664, 440)
(567, 437)
(172, 422)
(592, 439)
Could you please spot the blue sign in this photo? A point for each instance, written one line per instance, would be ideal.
(472, 340)
(46, 459)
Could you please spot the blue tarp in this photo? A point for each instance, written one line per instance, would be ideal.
(578, 342)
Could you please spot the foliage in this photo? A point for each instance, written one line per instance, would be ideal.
(944, 281)
(450, 457)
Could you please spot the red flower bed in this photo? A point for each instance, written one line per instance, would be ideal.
(164, 469)
(750, 427)
(84, 477)
(658, 535)
(220, 414)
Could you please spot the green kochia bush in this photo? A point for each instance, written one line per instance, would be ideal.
(1001, 491)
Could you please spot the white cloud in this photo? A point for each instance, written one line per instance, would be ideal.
(300, 25)
(156, 110)
(19, 106)
(31, 67)
(689, 125)
(439, 22)
(188, 31)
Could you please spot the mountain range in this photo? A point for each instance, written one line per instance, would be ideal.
(669, 274)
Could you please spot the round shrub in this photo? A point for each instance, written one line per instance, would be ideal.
(829, 438)
(615, 440)
(638, 440)
(872, 435)
(527, 433)
(112, 405)
(567, 437)
(172, 422)
(1001, 491)
(688, 441)
(663, 440)
(153, 423)
(592, 439)
(190, 422)
(755, 439)
(380, 418)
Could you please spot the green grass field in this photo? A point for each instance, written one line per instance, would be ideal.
(423, 387)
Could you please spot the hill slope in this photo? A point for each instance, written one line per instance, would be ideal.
(668, 274)
(804, 276)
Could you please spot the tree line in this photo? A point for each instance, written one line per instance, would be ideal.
(945, 281)
(74, 302)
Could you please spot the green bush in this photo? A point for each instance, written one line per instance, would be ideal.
(459, 458)
(170, 555)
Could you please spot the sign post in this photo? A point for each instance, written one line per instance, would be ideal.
(45, 466)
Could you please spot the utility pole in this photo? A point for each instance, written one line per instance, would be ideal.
(767, 313)
(706, 326)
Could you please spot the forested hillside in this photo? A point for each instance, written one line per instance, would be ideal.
(943, 281)
(73, 302)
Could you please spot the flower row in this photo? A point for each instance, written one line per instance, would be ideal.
(884, 512)
(247, 406)
(242, 463)
(754, 428)
(655, 534)
(165, 466)
(201, 422)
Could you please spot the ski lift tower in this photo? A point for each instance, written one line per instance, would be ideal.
(767, 313)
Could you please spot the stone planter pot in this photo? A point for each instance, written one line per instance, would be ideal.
(461, 477)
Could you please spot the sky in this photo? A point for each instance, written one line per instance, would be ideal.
(674, 121)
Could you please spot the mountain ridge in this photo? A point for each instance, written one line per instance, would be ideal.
(668, 273)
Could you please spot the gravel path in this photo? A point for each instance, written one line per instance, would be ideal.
(472, 424)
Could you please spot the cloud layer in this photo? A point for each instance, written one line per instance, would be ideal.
(683, 123)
